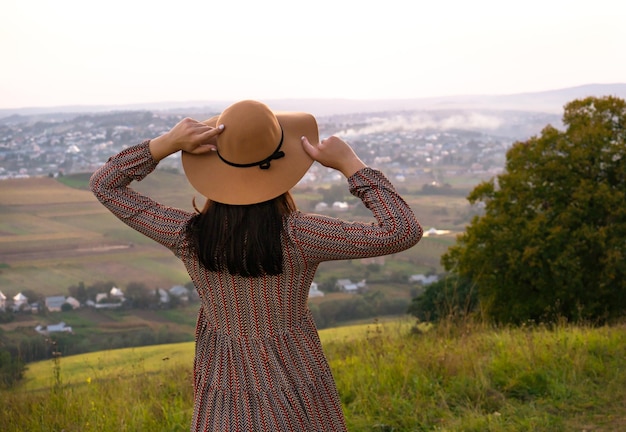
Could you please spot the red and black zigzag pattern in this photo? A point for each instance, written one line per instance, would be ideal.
(259, 364)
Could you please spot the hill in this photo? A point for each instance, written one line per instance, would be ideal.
(551, 101)
(454, 377)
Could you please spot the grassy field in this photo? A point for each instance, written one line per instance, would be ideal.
(452, 377)
(54, 234)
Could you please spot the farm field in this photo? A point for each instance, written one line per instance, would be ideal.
(53, 236)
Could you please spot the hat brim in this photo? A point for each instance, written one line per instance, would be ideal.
(227, 184)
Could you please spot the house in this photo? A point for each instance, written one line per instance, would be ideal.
(72, 302)
(3, 302)
(181, 292)
(321, 206)
(108, 301)
(314, 291)
(434, 231)
(423, 279)
(340, 205)
(116, 293)
(53, 328)
(19, 300)
(346, 285)
(54, 303)
(163, 295)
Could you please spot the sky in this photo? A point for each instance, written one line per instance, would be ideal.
(116, 52)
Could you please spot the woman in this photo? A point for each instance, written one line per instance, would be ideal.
(252, 256)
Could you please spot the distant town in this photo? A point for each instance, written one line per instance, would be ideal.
(403, 143)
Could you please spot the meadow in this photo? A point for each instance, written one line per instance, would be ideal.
(392, 376)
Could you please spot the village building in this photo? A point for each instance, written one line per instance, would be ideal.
(163, 295)
(314, 291)
(20, 301)
(53, 328)
(54, 303)
(346, 285)
(181, 292)
(423, 279)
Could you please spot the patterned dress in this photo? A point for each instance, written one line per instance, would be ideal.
(259, 364)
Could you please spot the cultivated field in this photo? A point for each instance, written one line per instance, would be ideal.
(53, 236)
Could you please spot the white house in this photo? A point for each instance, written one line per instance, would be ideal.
(73, 302)
(53, 328)
(321, 206)
(108, 301)
(340, 205)
(314, 291)
(19, 300)
(180, 291)
(117, 293)
(346, 285)
(3, 302)
(423, 279)
(164, 296)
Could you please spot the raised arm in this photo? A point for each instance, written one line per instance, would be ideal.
(110, 183)
(324, 238)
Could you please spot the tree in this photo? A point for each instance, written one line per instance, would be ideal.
(79, 292)
(139, 296)
(552, 240)
(452, 297)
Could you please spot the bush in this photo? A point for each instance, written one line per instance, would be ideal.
(450, 297)
(11, 369)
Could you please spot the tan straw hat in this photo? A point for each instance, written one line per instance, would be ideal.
(259, 154)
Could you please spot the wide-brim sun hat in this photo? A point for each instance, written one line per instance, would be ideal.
(259, 154)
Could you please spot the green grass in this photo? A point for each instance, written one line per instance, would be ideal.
(77, 181)
(181, 315)
(452, 377)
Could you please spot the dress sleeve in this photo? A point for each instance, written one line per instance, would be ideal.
(323, 238)
(109, 184)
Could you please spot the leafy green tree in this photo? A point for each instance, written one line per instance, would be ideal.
(552, 240)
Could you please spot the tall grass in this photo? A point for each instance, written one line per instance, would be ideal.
(453, 377)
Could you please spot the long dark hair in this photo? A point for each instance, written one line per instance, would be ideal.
(241, 239)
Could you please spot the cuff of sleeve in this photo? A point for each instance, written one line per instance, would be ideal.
(367, 177)
(136, 162)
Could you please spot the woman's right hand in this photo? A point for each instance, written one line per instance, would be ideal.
(333, 152)
(188, 135)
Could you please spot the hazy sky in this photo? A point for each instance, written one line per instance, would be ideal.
(66, 52)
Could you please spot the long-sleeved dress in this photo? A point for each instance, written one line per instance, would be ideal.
(259, 364)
